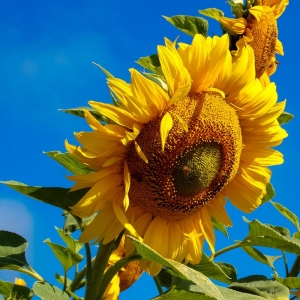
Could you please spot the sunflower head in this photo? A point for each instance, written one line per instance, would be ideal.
(256, 26)
(177, 147)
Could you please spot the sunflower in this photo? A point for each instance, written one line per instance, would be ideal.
(174, 149)
(125, 277)
(258, 27)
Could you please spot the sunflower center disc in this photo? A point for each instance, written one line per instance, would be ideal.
(194, 166)
(197, 168)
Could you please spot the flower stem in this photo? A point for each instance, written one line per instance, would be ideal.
(295, 268)
(285, 264)
(94, 280)
(229, 248)
(158, 284)
(32, 273)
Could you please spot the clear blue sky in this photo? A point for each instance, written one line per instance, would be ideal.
(46, 54)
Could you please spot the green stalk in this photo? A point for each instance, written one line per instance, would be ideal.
(158, 284)
(100, 263)
(295, 268)
(229, 248)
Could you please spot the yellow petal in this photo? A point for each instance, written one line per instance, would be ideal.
(140, 152)
(236, 26)
(165, 127)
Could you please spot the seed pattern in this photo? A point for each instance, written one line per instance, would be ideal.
(213, 127)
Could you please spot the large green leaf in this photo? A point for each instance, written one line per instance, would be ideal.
(285, 118)
(151, 63)
(188, 24)
(12, 251)
(79, 112)
(287, 213)
(67, 257)
(263, 235)
(213, 270)
(268, 289)
(229, 270)
(15, 291)
(73, 244)
(55, 196)
(270, 193)
(47, 291)
(290, 282)
(259, 256)
(183, 275)
(67, 160)
(212, 13)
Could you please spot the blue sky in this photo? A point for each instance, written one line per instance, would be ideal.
(46, 56)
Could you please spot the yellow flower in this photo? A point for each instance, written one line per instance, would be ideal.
(259, 30)
(20, 281)
(168, 159)
(125, 277)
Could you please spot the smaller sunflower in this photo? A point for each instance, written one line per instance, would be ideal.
(125, 277)
(256, 26)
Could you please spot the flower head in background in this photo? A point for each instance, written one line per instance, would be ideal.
(176, 147)
(125, 277)
(256, 26)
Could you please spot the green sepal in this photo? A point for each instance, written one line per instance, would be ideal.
(79, 112)
(12, 251)
(286, 213)
(151, 63)
(73, 244)
(15, 291)
(68, 161)
(67, 257)
(270, 194)
(219, 226)
(47, 291)
(56, 196)
(237, 9)
(109, 75)
(268, 289)
(285, 118)
(259, 256)
(212, 13)
(189, 25)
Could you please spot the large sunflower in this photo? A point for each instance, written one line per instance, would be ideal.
(258, 28)
(169, 157)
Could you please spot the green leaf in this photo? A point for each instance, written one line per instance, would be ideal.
(47, 291)
(55, 196)
(212, 270)
(188, 277)
(67, 257)
(290, 282)
(270, 193)
(151, 63)
(268, 289)
(282, 230)
(230, 294)
(212, 13)
(79, 112)
(71, 225)
(259, 256)
(67, 160)
(71, 243)
(285, 118)
(286, 213)
(263, 235)
(228, 269)
(15, 291)
(12, 251)
(219, 226)
(189, 25)
(296, 235)
(252, 278)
